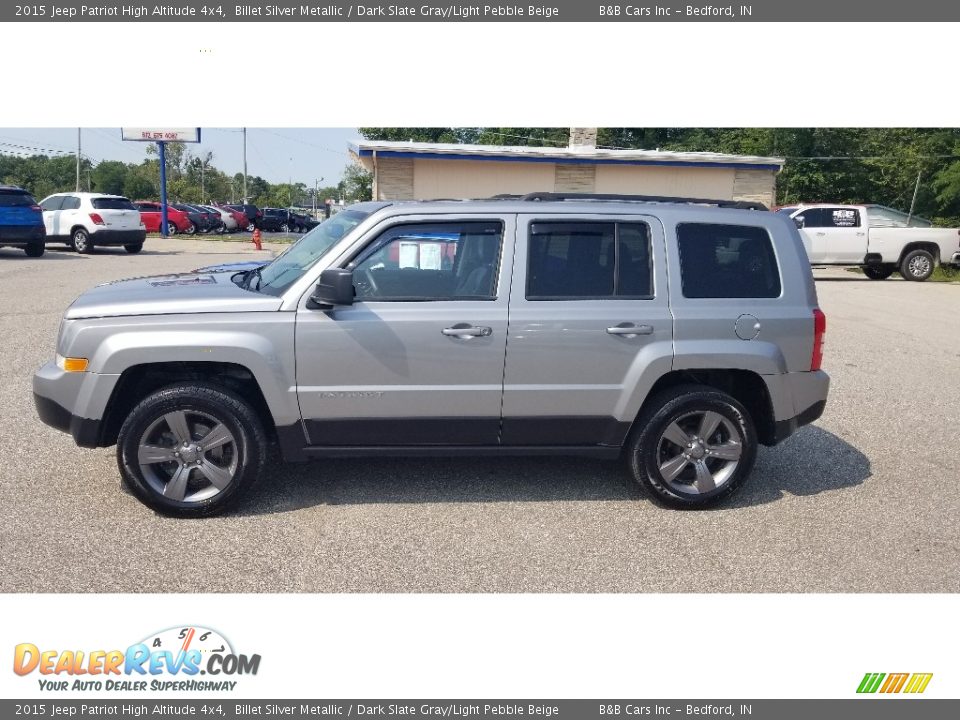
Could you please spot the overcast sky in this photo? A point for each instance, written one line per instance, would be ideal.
(275, 154)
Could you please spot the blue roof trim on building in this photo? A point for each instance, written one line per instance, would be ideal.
(362, 152)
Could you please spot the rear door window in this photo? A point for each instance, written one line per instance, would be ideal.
(589, 260)
(727, 261)
(842, 217)
(70, 203)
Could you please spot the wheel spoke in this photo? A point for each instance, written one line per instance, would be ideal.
(727, 451)
(673, 467)
(217, 476)
(708, 425)
(216, 437)
(150, 454)
(704, 482)
(675, 434)
(177, 422)
(176, 488)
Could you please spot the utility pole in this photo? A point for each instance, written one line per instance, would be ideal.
(245, 165)
(78, 159)
(203, 165)
(913, 203)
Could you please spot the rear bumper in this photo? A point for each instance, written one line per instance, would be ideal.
(955, 260)
(118, 237)
(21, 234)
(809, 391)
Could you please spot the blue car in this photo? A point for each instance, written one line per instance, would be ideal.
(21, 221)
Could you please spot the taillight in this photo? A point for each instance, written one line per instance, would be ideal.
(97, 220)
(37, 208)
(819, 330)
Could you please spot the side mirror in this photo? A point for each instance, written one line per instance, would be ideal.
(335, 288)
(798, 221)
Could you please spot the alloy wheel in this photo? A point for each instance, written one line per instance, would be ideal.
(698, 452)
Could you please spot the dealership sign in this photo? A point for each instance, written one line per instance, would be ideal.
(190, 135)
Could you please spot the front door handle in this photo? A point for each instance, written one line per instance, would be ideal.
(467, 331)
(630, 330)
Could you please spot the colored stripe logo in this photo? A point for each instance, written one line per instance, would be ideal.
(913, 683)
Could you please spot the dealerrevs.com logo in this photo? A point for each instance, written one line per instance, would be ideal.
(172, 659)
(892, 683)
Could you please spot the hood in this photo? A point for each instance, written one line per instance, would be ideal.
(186, 293)
(233, 267)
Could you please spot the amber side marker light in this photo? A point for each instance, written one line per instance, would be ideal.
(69, 364)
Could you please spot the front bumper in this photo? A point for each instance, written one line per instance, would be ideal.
(85, 432)
(73, 402)
(118, 237)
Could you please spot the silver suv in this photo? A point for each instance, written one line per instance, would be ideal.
(675, 333)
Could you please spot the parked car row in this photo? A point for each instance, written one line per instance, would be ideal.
(190, 218)
(82, 220)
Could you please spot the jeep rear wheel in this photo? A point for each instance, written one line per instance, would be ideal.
(917, 265)
(692, 447)
(190, 450)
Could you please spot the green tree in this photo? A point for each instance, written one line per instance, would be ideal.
(109, 177)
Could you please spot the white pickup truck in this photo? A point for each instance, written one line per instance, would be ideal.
(876, 238)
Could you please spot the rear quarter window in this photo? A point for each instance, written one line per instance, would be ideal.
(727, 261)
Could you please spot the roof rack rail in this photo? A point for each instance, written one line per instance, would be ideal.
(554, 196)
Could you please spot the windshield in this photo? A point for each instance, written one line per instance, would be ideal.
(290, 266)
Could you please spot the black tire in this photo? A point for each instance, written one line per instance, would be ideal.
(191, 229)
(647, 447)
(201, 405)
(171, 229)
(284, 228)
(35, 249)
(917, 265)
(81, 242)
(878, 272)
(133, 249)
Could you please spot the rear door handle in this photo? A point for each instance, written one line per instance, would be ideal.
(466, 331)
(630, 330)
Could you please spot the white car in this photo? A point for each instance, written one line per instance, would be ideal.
(226, 217)
(84, 220)
(878, 239)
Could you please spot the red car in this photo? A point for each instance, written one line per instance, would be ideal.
(239, 215)
(177, 220)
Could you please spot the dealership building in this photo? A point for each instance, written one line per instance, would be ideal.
(425, 171)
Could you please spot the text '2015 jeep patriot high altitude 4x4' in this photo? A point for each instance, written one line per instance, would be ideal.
(678, 333)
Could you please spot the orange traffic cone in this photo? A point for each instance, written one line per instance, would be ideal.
(256, 239)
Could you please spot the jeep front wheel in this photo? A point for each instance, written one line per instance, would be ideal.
(692, 447)
(190, 450)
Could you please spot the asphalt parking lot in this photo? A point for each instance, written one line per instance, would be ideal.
(865, 500)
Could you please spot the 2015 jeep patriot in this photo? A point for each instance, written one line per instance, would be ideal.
(676, 333)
